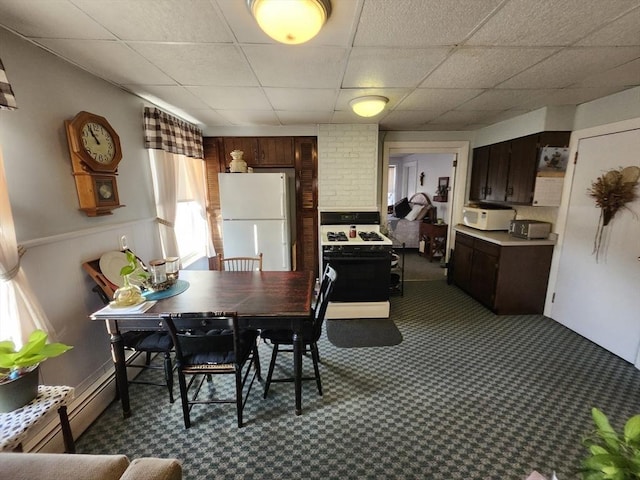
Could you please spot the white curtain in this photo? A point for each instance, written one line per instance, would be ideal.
(164, 170)
(20, 311)
(195, 178)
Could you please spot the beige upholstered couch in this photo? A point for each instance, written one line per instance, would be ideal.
(61, 466)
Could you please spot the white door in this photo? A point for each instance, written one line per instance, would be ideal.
(601, 300)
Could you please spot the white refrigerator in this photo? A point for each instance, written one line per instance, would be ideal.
(255, 217)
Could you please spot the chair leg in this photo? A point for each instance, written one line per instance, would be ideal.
(147, 360)
(239, 399)
(272, 364)
(316, 359)
(256, 362)
(168, 374)
(185, 399)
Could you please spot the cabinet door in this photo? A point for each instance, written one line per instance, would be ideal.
(463, 257)
(484, 271)
(522, 170)
(498, 171)
(275, 152)
(479, 169)
(248, 145)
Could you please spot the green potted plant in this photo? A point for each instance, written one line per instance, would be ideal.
(612, 455)
(130, 294)
(19, 369)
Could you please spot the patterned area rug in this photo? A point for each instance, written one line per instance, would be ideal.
(363, 332)
(467, 395)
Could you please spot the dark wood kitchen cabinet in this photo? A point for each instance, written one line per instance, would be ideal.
(261, 151)
(505, 172)
(509, 280)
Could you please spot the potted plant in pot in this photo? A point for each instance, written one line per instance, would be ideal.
(612, 455)
(19, 369)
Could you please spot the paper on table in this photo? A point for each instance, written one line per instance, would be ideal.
(113, 311)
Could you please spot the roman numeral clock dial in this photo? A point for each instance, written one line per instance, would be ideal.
(94, 147)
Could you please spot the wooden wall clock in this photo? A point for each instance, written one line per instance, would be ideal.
(95, 152)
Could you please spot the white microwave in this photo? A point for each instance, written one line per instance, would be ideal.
(484, 218)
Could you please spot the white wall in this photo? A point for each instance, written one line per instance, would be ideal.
(348, 167)
(58, 237)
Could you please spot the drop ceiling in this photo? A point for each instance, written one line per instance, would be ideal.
(443, 64)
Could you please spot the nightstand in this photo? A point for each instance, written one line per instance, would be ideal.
(435, 237)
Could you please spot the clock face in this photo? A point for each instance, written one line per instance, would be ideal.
(98, 143)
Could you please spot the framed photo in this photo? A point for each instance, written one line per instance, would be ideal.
(553, 159)
(106, 190)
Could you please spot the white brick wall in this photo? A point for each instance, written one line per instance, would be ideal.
(348, 167)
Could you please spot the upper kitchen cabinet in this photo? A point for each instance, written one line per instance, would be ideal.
(262, 151)
(505, 172)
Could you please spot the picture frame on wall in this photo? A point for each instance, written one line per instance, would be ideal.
(553, 159)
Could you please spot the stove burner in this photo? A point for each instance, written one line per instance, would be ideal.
(370, 236)
(337, 237)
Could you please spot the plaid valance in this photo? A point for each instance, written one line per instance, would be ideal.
(163, 131)
(7, 99)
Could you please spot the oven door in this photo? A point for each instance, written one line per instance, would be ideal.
(360, 278)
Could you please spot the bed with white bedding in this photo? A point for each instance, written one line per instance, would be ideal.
(404, 224)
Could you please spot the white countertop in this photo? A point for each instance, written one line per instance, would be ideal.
(503, 238)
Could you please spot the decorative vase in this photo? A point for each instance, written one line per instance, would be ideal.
(128, 294)
(17, 393)
(237, 165)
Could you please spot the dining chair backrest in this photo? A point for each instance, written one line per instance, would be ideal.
(240, 264)
(200, 334)
(322, 300)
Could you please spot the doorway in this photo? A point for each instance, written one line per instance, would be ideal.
(459, 154)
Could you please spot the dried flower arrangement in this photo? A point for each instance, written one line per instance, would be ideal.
(612, 191)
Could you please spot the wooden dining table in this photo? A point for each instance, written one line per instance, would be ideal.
(262, 300)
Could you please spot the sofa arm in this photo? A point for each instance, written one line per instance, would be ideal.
(153, 469)
(61, 466)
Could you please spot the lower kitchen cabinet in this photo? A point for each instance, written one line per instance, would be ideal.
(509, 280)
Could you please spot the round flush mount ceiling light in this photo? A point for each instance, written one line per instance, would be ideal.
(290, 21)
(368, 106)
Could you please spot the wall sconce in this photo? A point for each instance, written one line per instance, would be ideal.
(290, 21)
(368, 106)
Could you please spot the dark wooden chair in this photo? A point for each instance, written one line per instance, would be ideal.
(310, 335)
(144, 342)
(209, 344)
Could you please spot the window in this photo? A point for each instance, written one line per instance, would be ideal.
(191, 232)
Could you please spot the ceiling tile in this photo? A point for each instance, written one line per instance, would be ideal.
(199, 64)
(571, 65)
(475, 67)
(625, 75)
(280, 66)
(420, 23)
(390, 67)
(466, 117)
(547, 22)
(232, 98)
(159, 20)
(175, 95)
(208, 117)
(305, 118)
(301, 99)
(620, 32)
(576, 96)
(50, 19)
(503, 99)
(258, 117)
(437, 99)
(110, 60)
(409, 118)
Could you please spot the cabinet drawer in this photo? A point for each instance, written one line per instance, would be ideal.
(464, 239)
(487, 247)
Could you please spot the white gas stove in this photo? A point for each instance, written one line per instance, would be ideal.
(352, 244)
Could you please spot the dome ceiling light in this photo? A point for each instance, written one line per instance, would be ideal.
(368, 106)
(290, 21)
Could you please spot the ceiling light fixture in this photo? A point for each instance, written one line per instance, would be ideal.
(368, 106)
(290, 21)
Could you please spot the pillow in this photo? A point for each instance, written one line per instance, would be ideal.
(415, 211)
(402, 208)
(423, 212)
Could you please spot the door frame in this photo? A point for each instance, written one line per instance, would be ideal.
(459, 175)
